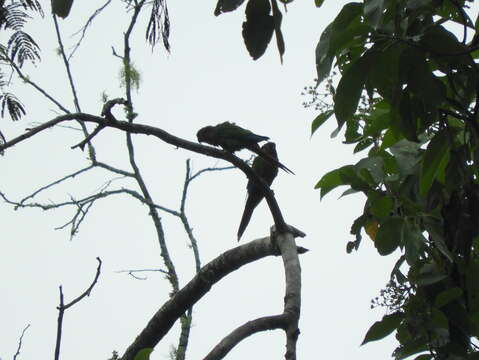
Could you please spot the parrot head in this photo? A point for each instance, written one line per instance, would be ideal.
(206, 134)
(270, 149)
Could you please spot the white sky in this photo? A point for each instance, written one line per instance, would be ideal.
(208, 78)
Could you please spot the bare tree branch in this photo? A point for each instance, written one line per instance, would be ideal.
(288, 320)
(245, 330)
(56, 182)
(62, 307)
(292, 297)
(211, 273)
(170, 139)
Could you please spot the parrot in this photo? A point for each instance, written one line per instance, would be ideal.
(266, 171)
(232, 137)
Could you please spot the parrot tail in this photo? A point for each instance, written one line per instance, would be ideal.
(251, 203)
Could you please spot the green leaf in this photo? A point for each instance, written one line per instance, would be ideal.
(383, 328)
(378, 120)
(434, 161)
(320, 120)
(414, 243)
(414, 347)
(143, 354)
(345, 29)
(427, 275)
(406, 122)
(438, 319)
(324, 57)
(446, 296)
(423, 357)
(318, 3)
(382, 206)
(350, 88)
(407, 155)
(333, 179)
(387, 61)
(348, 14)
(363, 144)
(443, 42)
(390, 235)
(373, 11)
(375, 167)
(390, 138)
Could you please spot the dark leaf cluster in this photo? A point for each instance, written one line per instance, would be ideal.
(263, 19)
(159, 24)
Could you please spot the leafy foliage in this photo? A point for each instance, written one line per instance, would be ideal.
(408, 94)
(19, 47)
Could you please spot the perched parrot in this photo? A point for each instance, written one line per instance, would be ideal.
(61, 7)
(265, 170)
(232, 137)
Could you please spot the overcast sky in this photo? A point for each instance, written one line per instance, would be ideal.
(208, 78)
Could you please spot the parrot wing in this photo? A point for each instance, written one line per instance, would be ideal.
(266, 170)
(236, 138)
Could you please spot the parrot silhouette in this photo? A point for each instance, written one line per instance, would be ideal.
(232, 137)
(266, 171)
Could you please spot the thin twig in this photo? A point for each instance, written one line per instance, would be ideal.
(91, 149)
(85, 27)
(132, 272)
(20, 342)
(67, 65)
(38, 88)
(62, 307)
(164, 253)
(56, 182)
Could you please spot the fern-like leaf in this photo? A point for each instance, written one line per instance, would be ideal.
(13, 17)
(21, 47)
(2, 141)
(159, 24)
(32, 5)
(14, 107)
